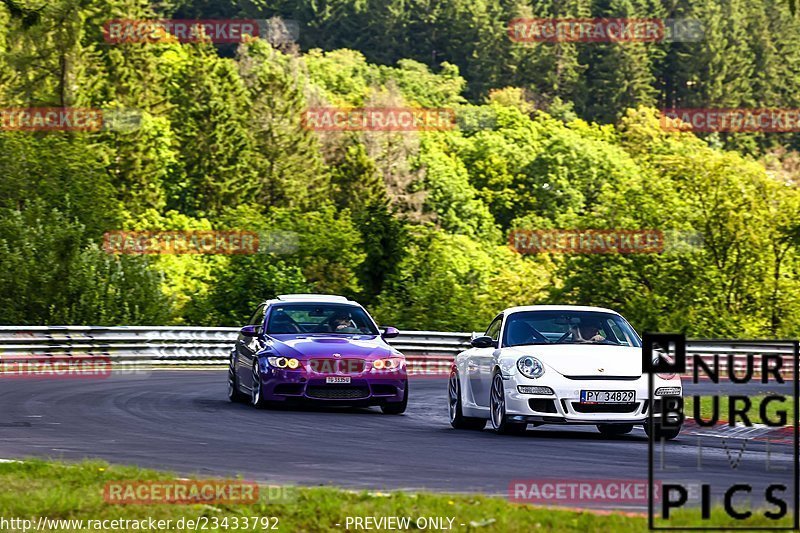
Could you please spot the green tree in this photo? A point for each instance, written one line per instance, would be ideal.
(358, 186)
(52, 273)
(61, 172)
(618, 75)
(450, 196)
(453, 283)
(288, 162)
(727, 287)
(211, 123)
(241, 286)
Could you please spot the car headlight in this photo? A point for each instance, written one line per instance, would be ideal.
(530, 367)
(392, 363)
(283, 362)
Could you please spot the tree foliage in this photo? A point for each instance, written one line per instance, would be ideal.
(415, 223)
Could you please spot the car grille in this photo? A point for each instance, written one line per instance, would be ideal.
(337, 393)
(289, 389)
(384, 390)
(604, 407)
(542, 406)
(330, 365)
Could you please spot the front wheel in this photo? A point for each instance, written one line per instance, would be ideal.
(397, 408)
(457, 418)
(234, 394)
(497, 408)
(666, 433)
(256, 393)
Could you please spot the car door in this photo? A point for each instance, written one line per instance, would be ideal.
(479, 365)
(247, 347)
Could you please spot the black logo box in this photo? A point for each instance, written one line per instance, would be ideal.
(678, 366)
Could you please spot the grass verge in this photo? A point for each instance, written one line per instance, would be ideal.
(59, 491)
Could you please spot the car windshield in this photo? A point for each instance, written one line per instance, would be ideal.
(319, 318)
(568, 327)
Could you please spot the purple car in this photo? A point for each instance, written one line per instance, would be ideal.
(311, 347)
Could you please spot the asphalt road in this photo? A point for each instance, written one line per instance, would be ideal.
(181, 421)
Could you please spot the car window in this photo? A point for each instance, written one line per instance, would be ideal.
(258, 316)
(319, 318)
(567, 327)
(494, 328)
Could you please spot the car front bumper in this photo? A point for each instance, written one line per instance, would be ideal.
(564, 405)
(279, 385)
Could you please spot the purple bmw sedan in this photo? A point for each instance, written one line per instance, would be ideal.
(316, 348)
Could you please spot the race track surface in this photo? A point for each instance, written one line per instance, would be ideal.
(181, 421)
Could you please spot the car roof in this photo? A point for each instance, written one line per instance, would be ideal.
(559, 308)
(311, 298)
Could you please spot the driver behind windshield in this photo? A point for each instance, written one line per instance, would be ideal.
(588, 331)
(343, 323)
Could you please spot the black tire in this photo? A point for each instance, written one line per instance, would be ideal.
(397, 408)
(457, 418)
(662, 432)
(497, 410)
(234, 394)
(612, 430)
(256, 396)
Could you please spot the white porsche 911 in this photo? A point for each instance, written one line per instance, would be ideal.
(561, 364)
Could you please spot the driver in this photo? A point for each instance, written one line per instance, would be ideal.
(343, 322)
(589, 331)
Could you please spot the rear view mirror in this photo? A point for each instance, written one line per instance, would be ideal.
(250, 331)
(483, 342)
(390, 333)
(567, 321)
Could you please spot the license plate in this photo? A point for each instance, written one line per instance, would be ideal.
(337, 379)
(608, 396)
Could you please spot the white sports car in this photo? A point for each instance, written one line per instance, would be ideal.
(557, 364)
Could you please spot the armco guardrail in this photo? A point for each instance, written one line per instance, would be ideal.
(172, 345)
(426, 351)
(738, 352)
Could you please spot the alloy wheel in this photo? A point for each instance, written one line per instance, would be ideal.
(452, 393)
(498, 402)
(256, 390)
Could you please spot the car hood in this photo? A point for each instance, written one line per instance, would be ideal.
(310, 346)
(586, 359)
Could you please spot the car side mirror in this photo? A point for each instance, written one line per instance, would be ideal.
(390, 333)
(250, 331)
(483, 342)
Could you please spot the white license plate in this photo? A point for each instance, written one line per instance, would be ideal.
(608, 396)
(337, 379)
